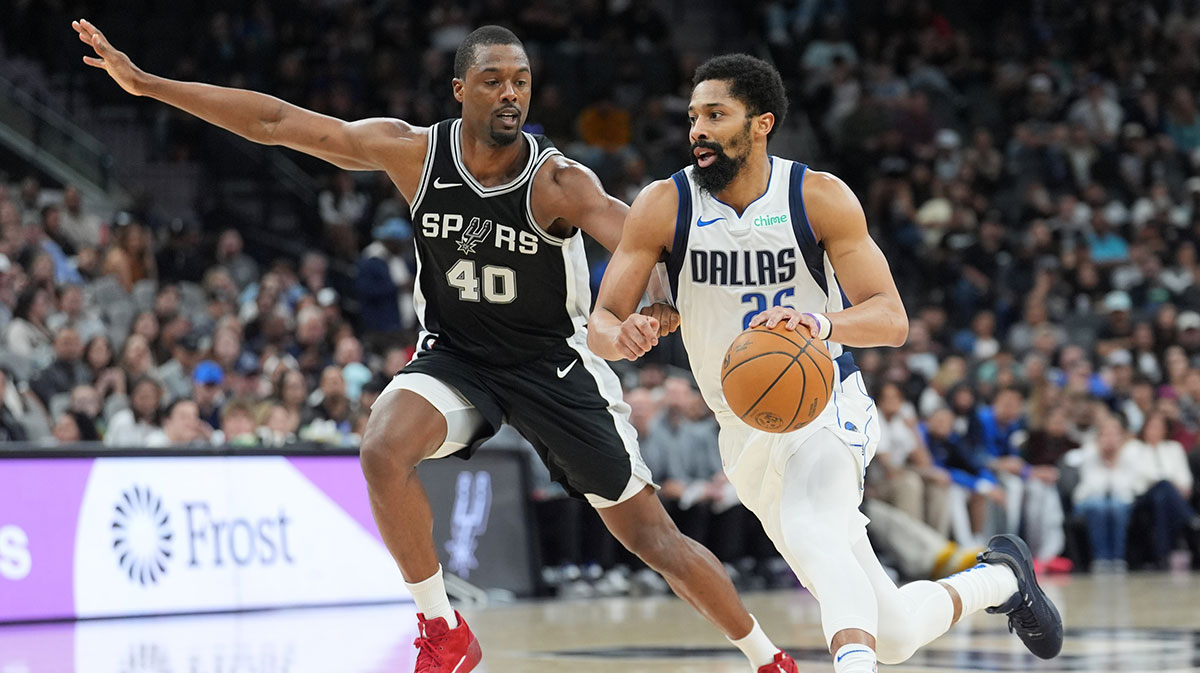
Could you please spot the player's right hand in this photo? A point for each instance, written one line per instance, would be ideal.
(639, 333)
(115, 63)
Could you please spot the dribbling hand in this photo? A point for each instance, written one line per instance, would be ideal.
(115, 63)
(639, 333)
(790, 317)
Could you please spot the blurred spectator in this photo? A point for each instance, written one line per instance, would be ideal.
(902, 472)
(1166, 487)
(385, 282)
(137, 425)
(181, 426)
(131, 259)
(207, 393)
(1105, 493)
(342, 208)
(82, 229)
(241, 267)
(73, 311)
(176, 374)
(27, 335)
(237, 427)
(68, 369)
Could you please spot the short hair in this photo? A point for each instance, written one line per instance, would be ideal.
(483, 36)
(752, 81)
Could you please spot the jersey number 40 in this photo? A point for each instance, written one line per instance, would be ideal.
(499, 282)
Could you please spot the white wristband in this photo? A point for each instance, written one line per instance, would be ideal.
(824, 326)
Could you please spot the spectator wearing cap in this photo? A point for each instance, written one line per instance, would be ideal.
(67, 370)
(1187, 327)
(135, 426)
(1117, 330)
(243, 379)
(230, 255)
(132, 258)
(385, 282)
(207, 393)
(176, 373)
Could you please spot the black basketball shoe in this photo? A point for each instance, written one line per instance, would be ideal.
(1031, 615)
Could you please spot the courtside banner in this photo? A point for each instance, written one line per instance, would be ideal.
(100, 537)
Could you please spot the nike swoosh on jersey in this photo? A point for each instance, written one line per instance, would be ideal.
(705, 223)
(562, 373)
(438, 184)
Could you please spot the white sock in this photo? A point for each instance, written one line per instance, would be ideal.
(757, 647)
(983, 586)
(854, 658)
(430, 596)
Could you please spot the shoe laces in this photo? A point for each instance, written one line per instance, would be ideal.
(429, 654)
(1023, 617)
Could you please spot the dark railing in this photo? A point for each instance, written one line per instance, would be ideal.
(54, 134)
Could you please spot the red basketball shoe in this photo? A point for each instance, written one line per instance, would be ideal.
(441, 649)
(783, 664)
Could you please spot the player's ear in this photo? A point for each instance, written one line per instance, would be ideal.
(765, 122)
(459, 87)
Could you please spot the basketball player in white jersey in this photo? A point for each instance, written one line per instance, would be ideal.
(751, 239)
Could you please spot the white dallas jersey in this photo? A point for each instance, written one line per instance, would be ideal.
(725, 269)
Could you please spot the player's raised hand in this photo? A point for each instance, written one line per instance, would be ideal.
(115, 63)
(639, 333)
(665, 314)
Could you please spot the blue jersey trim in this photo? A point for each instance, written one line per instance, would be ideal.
(683, 221)
(814, 254)
(770, 174)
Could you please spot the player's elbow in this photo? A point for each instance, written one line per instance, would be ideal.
(898, 330)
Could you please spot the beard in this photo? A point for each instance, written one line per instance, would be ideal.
(504, 138)
(724, 168)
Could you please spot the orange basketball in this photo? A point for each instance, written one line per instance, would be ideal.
(777, 380)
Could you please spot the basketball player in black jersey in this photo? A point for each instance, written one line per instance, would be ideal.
(503, 296)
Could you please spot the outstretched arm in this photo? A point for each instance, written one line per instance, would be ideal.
(370, 144)
(614, 331)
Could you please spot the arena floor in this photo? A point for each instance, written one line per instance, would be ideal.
(1135, 623)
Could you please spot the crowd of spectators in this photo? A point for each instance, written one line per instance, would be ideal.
(1031, 171)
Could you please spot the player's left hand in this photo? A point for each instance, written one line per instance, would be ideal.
(790, 317)
(665, 314)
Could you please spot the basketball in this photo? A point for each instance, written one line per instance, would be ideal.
(777, 380)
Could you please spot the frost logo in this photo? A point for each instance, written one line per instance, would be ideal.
(142, 535)
(472, 503)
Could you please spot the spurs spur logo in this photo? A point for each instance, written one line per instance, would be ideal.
(475, 232)
(472, 503)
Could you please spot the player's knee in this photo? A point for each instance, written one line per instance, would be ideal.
(385, 456)
(896, 643)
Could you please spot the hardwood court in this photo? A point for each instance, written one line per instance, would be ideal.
(1133, 624)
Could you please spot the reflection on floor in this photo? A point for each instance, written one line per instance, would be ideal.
(1131, 624)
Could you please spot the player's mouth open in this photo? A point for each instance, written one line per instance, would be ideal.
(704, 157)
(509, 116)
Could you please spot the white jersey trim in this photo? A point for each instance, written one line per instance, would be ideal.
(529, 219)
(423, 183)
(515, 183)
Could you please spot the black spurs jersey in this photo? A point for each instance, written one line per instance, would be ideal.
(491, 284)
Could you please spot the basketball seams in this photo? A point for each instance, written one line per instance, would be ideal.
(752, 358)
(768, 388)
